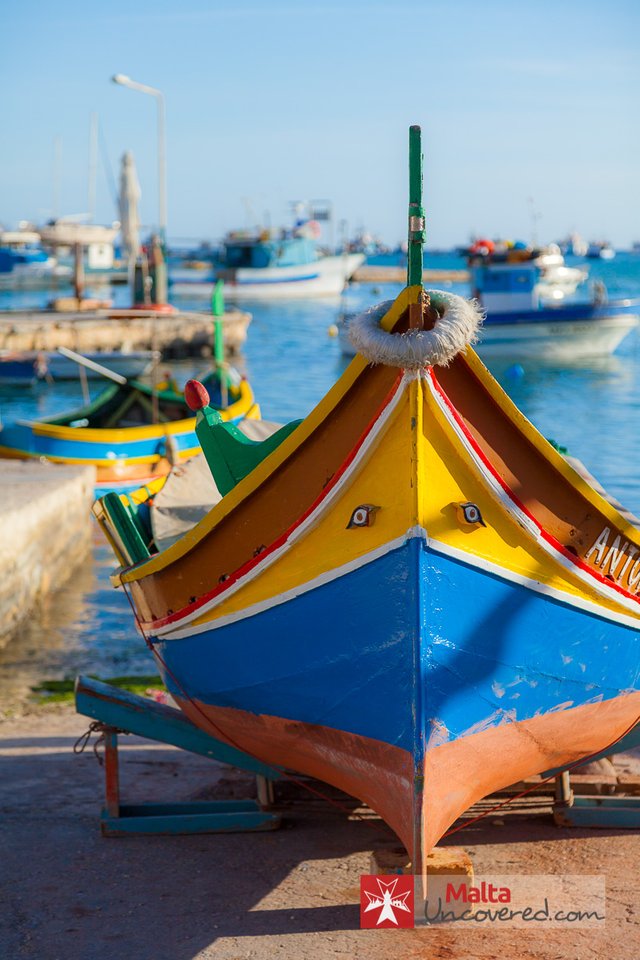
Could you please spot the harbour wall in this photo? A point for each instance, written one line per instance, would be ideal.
(175, 335)
(374, 274)
(45, 530)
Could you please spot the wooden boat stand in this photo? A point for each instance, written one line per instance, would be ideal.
(598, 803)
(119, 712)
(570, 810)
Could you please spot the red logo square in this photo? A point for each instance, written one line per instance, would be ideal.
(386, 901)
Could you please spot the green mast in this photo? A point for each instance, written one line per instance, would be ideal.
(416, 210)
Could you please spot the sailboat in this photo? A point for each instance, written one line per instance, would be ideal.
(410, 594)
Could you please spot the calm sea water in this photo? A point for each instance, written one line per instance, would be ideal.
(593, 409)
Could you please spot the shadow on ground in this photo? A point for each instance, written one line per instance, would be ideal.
(69, 894)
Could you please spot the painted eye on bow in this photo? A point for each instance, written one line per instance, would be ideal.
(363, 516)
(470, 513)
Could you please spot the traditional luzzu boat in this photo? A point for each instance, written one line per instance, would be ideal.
(411, 595)
(270, 267)
(130, 433)
(520, 323)
(526, 315)
(553, 279)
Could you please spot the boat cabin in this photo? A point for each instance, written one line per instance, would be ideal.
(259, 253)
(505, 287)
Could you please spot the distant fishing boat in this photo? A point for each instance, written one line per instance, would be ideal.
(574, 245)
(31, 367)
(554, 280)
(24, 264)
(268, 267)
(600, 250)
(130, 433)
(520, 324)
(410, 595)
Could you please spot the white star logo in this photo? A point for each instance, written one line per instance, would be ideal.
(386, 902)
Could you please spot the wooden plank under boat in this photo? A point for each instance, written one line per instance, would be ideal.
(413, 596)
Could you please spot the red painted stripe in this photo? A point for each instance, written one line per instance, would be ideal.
(255, 561)
(549, 538)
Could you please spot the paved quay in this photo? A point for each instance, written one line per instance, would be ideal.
(70, 894)
(45, 512)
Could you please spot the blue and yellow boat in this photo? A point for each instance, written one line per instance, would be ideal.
(117, 434)
(411, 595)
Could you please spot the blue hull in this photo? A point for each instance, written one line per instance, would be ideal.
(21, 437)
(570, 313)
(345, 655)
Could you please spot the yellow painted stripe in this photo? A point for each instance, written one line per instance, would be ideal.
(142, 494)
(115, 436)
(452, 479)
(417, 474)
(384, 479)
(112, 463)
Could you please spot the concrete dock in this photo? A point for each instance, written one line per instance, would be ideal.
(176, 334)
(282, 895)
(46, 532)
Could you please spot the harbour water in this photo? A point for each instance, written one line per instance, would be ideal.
(592, 409)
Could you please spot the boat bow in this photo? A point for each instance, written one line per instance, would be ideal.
(412, 597)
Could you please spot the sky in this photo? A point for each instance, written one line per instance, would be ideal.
(530, 112)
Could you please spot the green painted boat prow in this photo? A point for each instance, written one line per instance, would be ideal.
(232, 456)
(134, 536)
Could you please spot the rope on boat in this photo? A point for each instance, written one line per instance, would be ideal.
(96, 726)
(457, 326)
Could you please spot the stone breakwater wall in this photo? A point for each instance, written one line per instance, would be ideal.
(45, 533)
(175, 335)
(374, 274)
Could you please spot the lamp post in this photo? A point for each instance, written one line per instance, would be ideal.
(125, 81)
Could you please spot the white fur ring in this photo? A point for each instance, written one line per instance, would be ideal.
(457, 325)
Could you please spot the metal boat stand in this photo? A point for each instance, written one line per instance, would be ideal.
(570, 810)
(118, 712)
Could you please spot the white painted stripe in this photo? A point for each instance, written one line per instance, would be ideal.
(298, 532)
(319, 581)
(436, 546)
(530, 525)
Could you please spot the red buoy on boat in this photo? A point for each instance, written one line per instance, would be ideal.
(196, 395)
(483, 246)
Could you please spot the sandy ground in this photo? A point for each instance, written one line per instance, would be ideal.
(69, 894)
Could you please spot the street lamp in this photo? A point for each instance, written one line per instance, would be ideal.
(124, 81)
